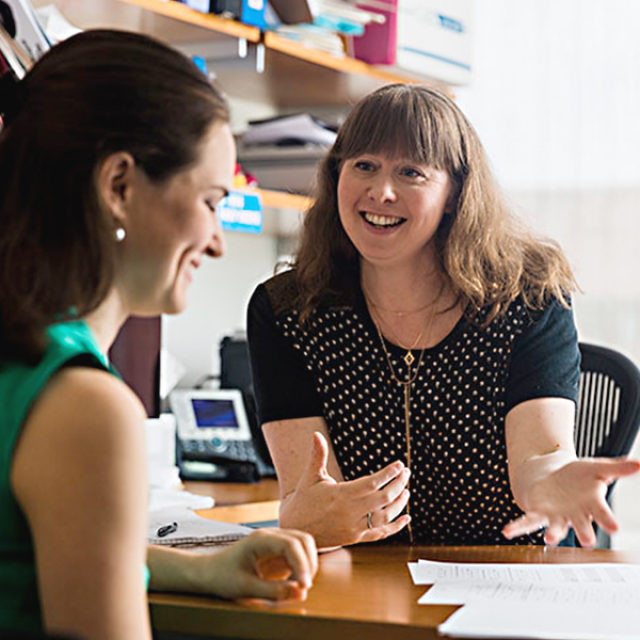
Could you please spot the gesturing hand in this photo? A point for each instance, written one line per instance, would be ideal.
(572, 496)
(336, 513)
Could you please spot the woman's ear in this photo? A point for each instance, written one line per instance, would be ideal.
(115, 181)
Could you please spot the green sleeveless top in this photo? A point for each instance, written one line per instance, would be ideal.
(70, 343)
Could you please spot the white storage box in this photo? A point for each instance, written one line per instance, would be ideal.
(434, 38)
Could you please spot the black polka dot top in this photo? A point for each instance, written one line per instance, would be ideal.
(334, 367)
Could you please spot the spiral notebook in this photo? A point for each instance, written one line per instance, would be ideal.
(191, 530)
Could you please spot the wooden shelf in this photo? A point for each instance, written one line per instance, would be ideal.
(272, 41)
(178, 11)
(344, 64)
(272, 199)
(282, 200)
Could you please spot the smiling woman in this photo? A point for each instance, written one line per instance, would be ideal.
(131, 151)
(423, 333)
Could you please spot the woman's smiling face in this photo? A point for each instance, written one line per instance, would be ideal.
(171, 226)
(391, 207)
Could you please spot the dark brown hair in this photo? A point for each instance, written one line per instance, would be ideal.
(94, 94)
(488, 256)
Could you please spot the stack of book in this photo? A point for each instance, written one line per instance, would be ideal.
(332, 21)
(22, 39)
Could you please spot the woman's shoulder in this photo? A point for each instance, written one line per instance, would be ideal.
(523, 311)
(282, 291)
(276, 296)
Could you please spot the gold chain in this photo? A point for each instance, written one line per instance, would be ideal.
(406, 384)
(401, 314)
(408, 357)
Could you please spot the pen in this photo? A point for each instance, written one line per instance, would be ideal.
(167, 529)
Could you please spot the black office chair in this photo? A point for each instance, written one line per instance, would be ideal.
(608, 410)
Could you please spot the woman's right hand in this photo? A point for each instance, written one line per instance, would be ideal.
(337, 513)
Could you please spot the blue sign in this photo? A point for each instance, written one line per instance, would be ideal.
(241, 212)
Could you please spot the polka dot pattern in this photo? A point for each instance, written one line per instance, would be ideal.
(460, 490)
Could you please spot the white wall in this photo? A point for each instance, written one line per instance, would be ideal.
(556, 91)
(217, 301)
(556, 100)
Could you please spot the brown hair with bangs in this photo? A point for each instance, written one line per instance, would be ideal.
(487, 255)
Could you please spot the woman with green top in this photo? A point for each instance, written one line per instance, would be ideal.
(114, 154)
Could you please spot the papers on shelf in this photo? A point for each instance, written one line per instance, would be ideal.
(290, 169)
(596, 601)
(192, 530)
(22, 24)
(54, 24)
(296, 129)
(13, 55)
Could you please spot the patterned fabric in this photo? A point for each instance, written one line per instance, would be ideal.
(460, 492)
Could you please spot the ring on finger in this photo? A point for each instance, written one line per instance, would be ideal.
(369, 525)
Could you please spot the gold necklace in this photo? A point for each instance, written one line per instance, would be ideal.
(400, 314)
(406, 384)
(408, 357)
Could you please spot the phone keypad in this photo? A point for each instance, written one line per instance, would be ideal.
(238, 449)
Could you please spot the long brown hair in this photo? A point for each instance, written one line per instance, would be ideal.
(94, 94)
(487, 254)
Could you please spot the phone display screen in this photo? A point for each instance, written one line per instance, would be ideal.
(214, 413)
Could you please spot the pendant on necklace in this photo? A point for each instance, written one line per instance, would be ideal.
(408, 358)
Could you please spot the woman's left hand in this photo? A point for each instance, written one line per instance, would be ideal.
(277, 564)
(573, 495)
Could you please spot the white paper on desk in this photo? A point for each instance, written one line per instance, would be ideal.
(545, 622)
(430, 571)
(192, 529)
(564, 594)
(161, 499)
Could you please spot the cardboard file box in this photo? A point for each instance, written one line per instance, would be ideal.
(431, 38)
(435, 38)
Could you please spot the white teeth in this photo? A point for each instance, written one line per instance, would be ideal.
(381, 221)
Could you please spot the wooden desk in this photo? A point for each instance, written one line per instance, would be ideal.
(234, 493)
(364, 592)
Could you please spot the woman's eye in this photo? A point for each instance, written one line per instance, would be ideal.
(410, 172)
(363, 165)
(210, 205)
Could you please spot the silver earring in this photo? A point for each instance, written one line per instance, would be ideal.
(121, 234)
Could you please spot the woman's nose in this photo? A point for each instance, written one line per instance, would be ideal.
(217, 245)
(382, 189)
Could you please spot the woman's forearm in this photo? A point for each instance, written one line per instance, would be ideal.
(175, 570)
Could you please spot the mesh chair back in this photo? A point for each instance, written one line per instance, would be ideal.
(608, 411)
